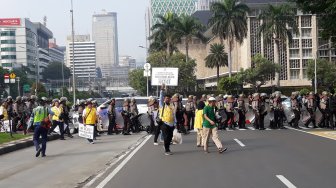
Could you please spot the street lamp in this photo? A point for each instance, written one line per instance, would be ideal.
(315, 66)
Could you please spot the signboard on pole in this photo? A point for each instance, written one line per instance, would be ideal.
(166, 75)
(147, 73)
(12, 77)
(6, 78)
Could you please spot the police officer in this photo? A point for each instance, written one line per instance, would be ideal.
(295, 105)
(311, 108)
(126, 116)
(134, 112)
(220, 109)
(41, 122)
(66, 115)
(112, 118)
(278, 111)
(81, 107)
(229, 107)
(324, 107)
(32, 103)
(18, 114)
(332, 107)
(241, 111)
(263, 111)
(256, 106)
(190, 108)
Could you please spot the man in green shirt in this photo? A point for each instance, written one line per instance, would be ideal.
(209, 126)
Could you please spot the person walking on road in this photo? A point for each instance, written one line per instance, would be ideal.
(199, 124)
(41, 122)
(57, 118)
(209, 126)
(168, 117)
(90, 118)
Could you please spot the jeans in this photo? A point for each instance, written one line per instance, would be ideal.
(167, 133)
(43, 132)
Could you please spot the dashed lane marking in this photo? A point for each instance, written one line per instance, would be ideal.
(239, 142)
(285, 181)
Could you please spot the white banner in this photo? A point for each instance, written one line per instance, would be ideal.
(85, 131)
(167, 76)
(5, 127)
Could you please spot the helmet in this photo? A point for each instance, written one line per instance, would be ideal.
(190, 97)
(24, 98)
(63, 99)
(242, 95)
(9, 98)
(43, 100)
(18, 98)
(263, 95)
(126, 100)
(325, 93)
(311, 93)
(133, 100)
(33, 97)
(225, 96)
(255, 95)
(82, 101)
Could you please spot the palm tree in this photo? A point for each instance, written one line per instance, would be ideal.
(165, 31)
(229, 21)
(278, 23)
(217, 58)
(189, 27)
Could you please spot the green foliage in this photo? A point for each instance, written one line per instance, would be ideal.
(229, 20)
(54, 71)
(229, 85)
(187, 79)
(138, 81)
(326, 12)
(217, 58)
(257, 76)
(326, 72)
(304, 91)
(13, 87)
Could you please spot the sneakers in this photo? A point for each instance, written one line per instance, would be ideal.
(221, 150)
(92, 142)
(38, 152)
(43, 155)
(156, 144)
(168, 153)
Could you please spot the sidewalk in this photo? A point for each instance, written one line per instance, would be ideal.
(20, 144)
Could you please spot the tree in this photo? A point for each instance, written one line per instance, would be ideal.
(278, 23)
(326, 72)
(165, 32)
(189, 27)
(13, 87)
(326, 15)
(217, 58)
(229, 21)
(259, 74)
(229, 84)
(138, 81)
(54, 71)
(187, 78)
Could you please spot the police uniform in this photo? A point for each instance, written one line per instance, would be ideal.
(241, 111)
(112, 118)
(134, 116)
(229, 107)
(126, 114)
(311, 107)
(190, 108)
(256, 106)
(278, 111)
(295, 105)
(324, 107)
(263, 111)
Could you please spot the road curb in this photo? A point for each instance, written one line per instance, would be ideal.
(21, 144)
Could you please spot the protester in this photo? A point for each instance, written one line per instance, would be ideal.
(168, 117)
(90, 117)
(209, 126)
(41, 122)
(57, 118)
(199, 124)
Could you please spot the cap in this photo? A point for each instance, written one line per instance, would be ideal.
(212, 99)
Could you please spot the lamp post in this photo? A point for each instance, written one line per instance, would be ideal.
(315, 67)
(73, 54)
(147, 68)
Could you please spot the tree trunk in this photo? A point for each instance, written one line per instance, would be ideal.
(168, 47)
(277, 61)
(187, 50)
(217, 75)
(229, 58)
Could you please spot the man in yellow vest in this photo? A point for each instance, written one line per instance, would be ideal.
(168, 117)
(90, 117)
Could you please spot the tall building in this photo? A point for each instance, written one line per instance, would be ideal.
(294, 56)
(179, 7)
(24, 43)
(56, 52)
(204, 4)
(84, 52)
(105, 35)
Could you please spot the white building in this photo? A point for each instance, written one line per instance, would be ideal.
(56, 52)
(84, 57)
(105, 35)
(127, 61)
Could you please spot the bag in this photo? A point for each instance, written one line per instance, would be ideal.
(158, 119)
(177, 137)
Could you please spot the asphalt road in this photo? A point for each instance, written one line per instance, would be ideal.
(69, 163)
(274, 158)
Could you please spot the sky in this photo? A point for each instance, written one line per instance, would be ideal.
(131, 19)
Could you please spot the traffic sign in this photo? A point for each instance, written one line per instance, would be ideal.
(147, 73)
(6, 78)
(147, 66)
(26, 88)
(12, 75)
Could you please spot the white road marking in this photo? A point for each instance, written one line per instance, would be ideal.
(239, 142)
(122, 164)
(285, 181)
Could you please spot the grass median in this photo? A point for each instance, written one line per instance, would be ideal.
(5, 137)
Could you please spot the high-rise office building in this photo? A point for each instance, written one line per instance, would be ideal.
(179, 7)
(56, 52)
(83, 55)
(204, 4)
(105, 35)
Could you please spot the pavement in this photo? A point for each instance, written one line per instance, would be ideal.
(69, 163)
(274, 158)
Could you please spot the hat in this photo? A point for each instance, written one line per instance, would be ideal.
(212, 99)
